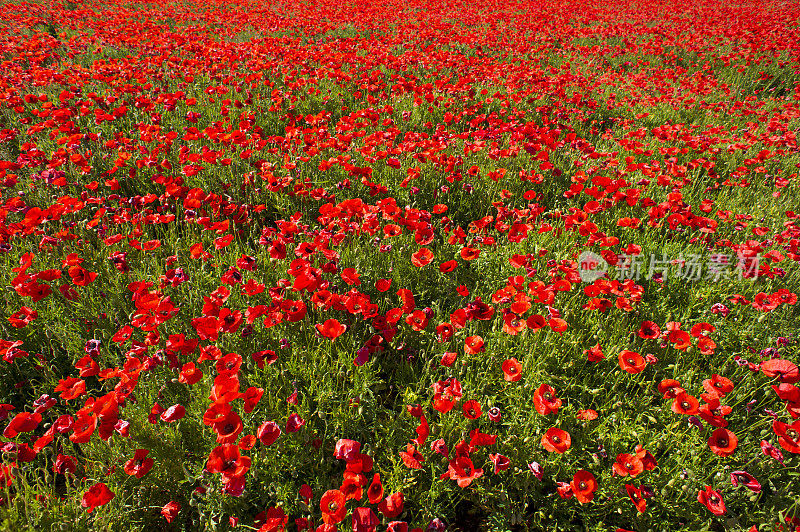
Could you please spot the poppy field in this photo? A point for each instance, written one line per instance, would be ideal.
(404, 266)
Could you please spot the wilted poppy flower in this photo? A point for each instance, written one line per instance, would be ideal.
(712, 499)
(501, 463)
(536, 469)
(556, 440)
(97, 495)
(346, 449)
(294, 423)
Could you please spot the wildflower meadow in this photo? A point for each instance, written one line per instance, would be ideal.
(400, 265)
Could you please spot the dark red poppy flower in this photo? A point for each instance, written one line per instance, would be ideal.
(635, 495)
(747, 480)
(294, 423)
(722, 442)
(268, 433)
(393, 505)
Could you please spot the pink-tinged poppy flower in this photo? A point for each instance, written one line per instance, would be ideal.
(97, 495)
(536, 469)
(294, 423)
(173, 413)
(346, 449)
(268, 433)
(712, 499)
(501, 463)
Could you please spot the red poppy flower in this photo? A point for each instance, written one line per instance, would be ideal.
(745, 479)
(501, 463)
(635, 495)
(631, 361)
(294, 423)
(412, 458)
(723, 442)
(463, 471)
(685, 404)
(788, 435)
(382, 285)
(331, 329)
(784, 370)
(669, 388)
(556, 440)
(139, 465)
(171, 510)
(81, 276)
(473, 345)
(469, 253)
(545, 400)
(422, 257)
(22, 422)
(718, 385)
(512, 370)
(447, 267)
(649, 330)
(583, 486)
(97, 495)
(628, 464)
(712, 499)
(448, 359)
(587, 415)
(173, 413)
(228, 428)
(268, 433)
(594, 354)
(418, 320)
(392, 506)
(333, 507)
(375, 490)
(471, 409)
(227, 460)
